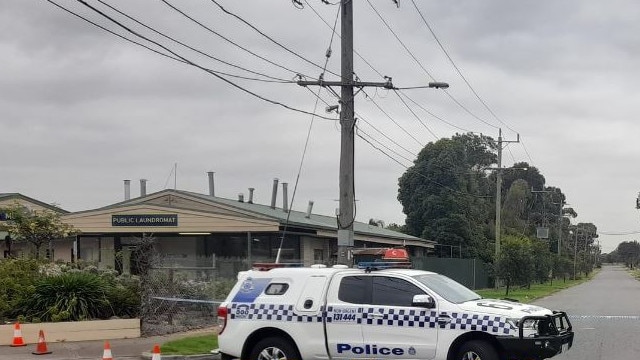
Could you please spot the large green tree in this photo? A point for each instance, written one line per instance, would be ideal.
(36, 227)
(444, 193)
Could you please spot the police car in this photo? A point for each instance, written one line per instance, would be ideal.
(375, 312)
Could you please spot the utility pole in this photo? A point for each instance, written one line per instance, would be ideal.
(561, 217)
(347, 130)
(575, 252)
(560, 221)
(499, 189)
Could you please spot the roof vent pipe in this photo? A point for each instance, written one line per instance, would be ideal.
(212, 191)
(241, 197)
(127, 190)
(143, 187)
(309, 208)
(285, 200)
(274, 193)
(251, 195)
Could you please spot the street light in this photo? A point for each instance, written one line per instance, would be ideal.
(438, 85)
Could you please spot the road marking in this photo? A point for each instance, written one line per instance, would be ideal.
(606, 317)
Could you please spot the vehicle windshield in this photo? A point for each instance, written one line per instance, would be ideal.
(450, 290)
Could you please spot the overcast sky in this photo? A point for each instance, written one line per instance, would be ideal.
(81, 109)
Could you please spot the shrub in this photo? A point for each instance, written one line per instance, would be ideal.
(124, 296)
(69, 296)
(17, 279)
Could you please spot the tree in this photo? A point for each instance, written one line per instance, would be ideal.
(36, 227)
(444, 193)
(629, 253)
(562, 267)
(514, 208)
(531, 175)
(515, 265)
(542, 260)
(398, 228)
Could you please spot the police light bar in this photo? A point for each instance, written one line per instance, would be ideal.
(380, 265)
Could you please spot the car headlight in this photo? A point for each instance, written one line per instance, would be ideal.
(529, 324)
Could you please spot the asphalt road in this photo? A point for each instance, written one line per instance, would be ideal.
(605, 313)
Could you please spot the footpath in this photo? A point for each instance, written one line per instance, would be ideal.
(139, 348)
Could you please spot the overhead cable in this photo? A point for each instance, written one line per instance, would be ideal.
(272, 40)
(274, 102)
(275, 79)
(229, 40)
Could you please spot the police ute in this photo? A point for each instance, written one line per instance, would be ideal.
(377, 311)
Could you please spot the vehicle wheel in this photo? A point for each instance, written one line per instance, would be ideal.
(274, 348)
(477, 350)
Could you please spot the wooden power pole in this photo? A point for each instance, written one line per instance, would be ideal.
(347, 133)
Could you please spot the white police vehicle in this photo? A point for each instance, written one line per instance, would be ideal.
(373, 313)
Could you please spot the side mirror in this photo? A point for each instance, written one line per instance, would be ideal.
(424, 301)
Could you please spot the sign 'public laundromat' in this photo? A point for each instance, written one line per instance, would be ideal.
(145, 220)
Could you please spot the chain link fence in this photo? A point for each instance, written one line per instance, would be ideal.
(184, 295)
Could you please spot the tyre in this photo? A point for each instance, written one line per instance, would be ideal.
(274, 348)
(477, 350)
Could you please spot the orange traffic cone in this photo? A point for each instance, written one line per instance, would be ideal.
(106, 354)
(17, 336)
(41, 348)
(156, 353)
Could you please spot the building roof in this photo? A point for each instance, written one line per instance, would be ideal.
(18, 196)
(296, 219)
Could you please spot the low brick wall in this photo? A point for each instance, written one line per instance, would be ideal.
(74, 331)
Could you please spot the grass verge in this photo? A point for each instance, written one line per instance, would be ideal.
(192, 345)
(536, 291)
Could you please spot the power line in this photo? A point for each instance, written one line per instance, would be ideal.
(422, 66)
(380, 150)
(416, 116)
(200, 67)
(113, 32)
(197, 50)
(381, 75)
(456, 67)
(275, 41)
(394, 121)
(381, 144)
(400, 41)
(229, 40)
(386, 136)
(486, 106)
(434, 115)
(354, 51)
(414, 171)
(619, 233)
(275, 79)
(306, 143)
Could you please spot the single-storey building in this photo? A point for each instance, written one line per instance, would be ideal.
(192, 230)
(202, 230)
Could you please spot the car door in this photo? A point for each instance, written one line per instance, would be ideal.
(343, 318)
(392, 327)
